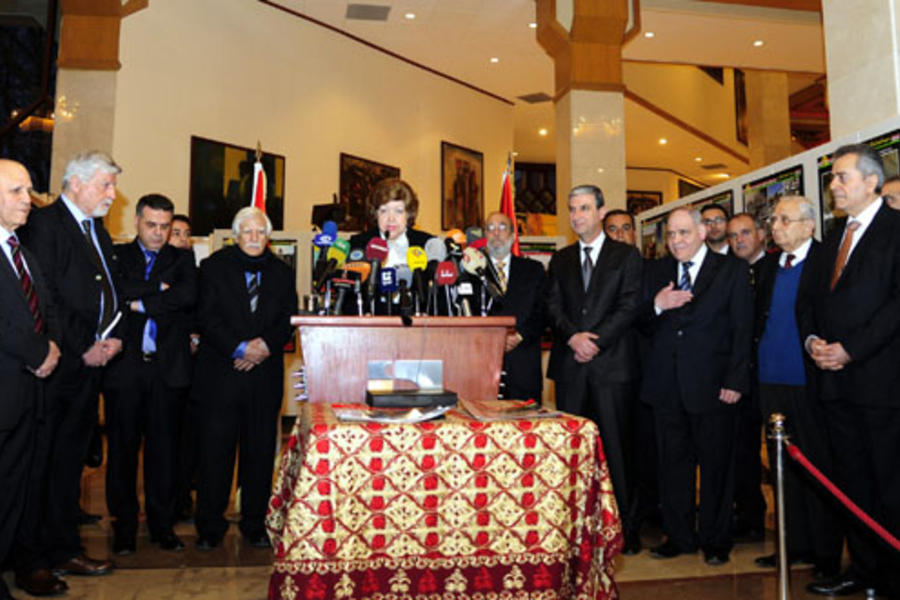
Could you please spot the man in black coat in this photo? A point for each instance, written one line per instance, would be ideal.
(592, 297)
(247, 298)
(76, 255)
(28, 354)
(522, 281)
(700, 351)
(143, 386)
(853, 333)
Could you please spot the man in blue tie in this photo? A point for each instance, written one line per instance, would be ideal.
(699, 315)
(144, 386)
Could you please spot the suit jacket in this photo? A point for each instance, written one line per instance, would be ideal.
(705, 345)
(71, 274)
(608, 309)
(522, 300)
(169, 309)
(862, 313)
(20, 346)
(225, 320)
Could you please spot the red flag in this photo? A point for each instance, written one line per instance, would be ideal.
(258, 199)
(507, 206)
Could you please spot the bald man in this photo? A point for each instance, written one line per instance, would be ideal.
(29, 353)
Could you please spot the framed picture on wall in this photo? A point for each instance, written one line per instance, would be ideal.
(462, 186)
(222, 183)
(358, 178)
(638, 200)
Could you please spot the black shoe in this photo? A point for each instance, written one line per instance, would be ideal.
(85, 518)
(259, 540)
(715, 558)
(168, 541)
(770, 561)
(208, 542)
(632, 544)
(124, 544)
(668, 549)
(842, 585)
(41, 582)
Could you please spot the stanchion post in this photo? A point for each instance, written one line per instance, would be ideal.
(778, 436)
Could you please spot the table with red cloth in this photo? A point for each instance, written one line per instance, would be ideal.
(451, 508)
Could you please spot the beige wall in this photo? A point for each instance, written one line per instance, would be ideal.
(239, 71)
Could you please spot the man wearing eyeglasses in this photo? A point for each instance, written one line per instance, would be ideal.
(783, 374)
(521, 280)
(715, 221)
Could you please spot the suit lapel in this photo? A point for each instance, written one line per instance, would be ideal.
(707, 272)
(870, 236)
(603, 260)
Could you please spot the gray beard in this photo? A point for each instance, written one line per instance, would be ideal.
(499, 253)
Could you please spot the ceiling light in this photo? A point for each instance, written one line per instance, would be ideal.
(721, 175)
(599, 169)
(649, 34)
(410, 16)
(542, 131)
(663, 141)
(494, 59)
(532, 25)
(698, 159)
(515, 153)
(758, 43)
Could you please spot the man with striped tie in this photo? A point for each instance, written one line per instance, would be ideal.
(28, 353)
(699, 315)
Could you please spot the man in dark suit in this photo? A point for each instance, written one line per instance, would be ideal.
(28, 354)
(247, 298)
(521, 280)
(592, 298)
(715, 220)
(76, 255)
(785, 376)
(700, 351)
(143, 386)
(853, 334)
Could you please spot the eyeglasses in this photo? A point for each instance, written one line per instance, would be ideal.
(714, 221)
(783, 219)
(497, 227)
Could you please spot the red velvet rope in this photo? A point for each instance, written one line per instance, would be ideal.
(798, 456)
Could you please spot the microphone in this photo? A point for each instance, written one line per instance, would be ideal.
(356, 254)
(435, 252)
(361, 268)
(343, 284)
(457, 236)
(473, 235)
(323, 241)
(454, 251)
(337, 254)
(446, 275)
(404, 280)
(463, 293)
(387, 283)
(376, 253)
(418, 262)
(475, 262)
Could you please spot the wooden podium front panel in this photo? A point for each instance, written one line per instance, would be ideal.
(336, 351)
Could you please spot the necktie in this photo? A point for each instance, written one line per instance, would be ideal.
(253, 291)
(149, 342)
(501, 275)
(106, 292)
(843, 252)
(587, 267)
(685, 282)
(789, 261)
(25, 280)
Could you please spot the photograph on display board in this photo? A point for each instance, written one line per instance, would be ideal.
(887, 145)
(637, 201)
(653, 236)
(761, 195)
(724, 199)
(357, 180)
(462, 186)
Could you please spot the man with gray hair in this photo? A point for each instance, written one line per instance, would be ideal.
(76, 254)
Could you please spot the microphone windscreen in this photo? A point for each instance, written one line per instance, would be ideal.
(416, 258)
(362, 268)
(356, 254)
(323, 240)
(454, 250)
(473, 261)
(338, 251)
(330, 228)
(435, 249)
(446, 273)
(457, 236)
(404, 273)
(479, 244)
(376, 249)
(473, 234)
(388, 279)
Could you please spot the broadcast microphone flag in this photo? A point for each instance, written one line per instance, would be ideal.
(258, 199)
(507, 207)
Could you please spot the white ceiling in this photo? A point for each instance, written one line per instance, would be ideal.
(459, 37)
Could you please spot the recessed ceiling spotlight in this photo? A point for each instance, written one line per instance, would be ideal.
(410, 15)
(542, 131)
(649, 34)
(532, 25)
(495, 60)
(663, 141)
(515, 153)
(698, 159)
(758, 43)
(599, 169)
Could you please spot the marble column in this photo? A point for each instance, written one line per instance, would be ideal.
(862, 56)
(768, 117)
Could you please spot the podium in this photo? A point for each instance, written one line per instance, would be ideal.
(336, 351)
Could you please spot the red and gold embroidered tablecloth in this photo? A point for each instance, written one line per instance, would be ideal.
(453, 508)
